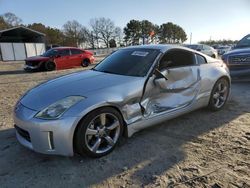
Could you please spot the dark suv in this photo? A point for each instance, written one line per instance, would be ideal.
(238, 60)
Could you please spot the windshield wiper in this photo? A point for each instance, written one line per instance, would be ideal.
(106, 71)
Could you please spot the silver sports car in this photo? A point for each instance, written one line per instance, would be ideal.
(133, 88)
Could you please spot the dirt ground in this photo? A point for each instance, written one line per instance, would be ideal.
(200, 149)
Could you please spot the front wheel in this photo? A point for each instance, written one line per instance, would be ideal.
(219, 94)
(99, 132)
(50, 66)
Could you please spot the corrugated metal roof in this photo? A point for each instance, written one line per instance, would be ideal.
(21, 27)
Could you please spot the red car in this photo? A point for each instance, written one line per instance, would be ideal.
(60, 58)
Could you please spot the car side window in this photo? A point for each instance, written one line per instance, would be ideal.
(200, 59)
(206, 47)
(177, 58)
(200, 47)
(75, 51)
(64, 52)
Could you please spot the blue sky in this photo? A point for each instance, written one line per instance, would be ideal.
(215, 19)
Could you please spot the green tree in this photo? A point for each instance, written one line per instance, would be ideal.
(148, 29)
(38, 27)
(136, 29)
(171, 33)
(3, 24)
(219, 42)
(53, 35)
(132, 32)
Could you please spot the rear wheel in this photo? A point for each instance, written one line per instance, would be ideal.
(50, 66)
(99, 132)
(219, 94)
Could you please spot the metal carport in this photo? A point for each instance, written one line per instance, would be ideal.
(20, 42)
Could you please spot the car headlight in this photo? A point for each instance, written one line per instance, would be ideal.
(56, 109)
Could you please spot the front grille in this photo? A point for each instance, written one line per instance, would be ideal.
(23, 133)
(239, 60)
(238, 67)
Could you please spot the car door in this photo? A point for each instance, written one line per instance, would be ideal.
(76, 57)
(63, 59)
(174, 85)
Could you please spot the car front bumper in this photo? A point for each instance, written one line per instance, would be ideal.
(44, 136)
(30, 68)
(239, 70)
(240, 73)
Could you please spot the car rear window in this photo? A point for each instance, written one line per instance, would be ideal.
(129, 62)
(245, 42)
(192, 46)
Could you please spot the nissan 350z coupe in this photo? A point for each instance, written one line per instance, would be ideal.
(87, 112)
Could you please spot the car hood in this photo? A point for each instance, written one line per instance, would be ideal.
(81, 84)
(37, 58)
(238, 51)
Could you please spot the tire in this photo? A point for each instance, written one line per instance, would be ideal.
(93, 134)
(50, 66)
(219, 94)
(85, 63)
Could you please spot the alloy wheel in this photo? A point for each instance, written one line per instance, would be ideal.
(220, 93)
(102, 133)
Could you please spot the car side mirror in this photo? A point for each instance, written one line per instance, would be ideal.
(56, 56)
(158, 74)
(198, 50)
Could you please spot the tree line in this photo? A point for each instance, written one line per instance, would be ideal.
(102, 30)
(165, 33)
(219, 42)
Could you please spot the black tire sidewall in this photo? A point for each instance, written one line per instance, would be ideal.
(85, 63)
(48, 64)
(211, 103)
(80, 144)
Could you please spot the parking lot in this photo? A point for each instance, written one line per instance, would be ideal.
(199, 149)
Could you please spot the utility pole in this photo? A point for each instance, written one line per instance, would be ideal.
(191, 38)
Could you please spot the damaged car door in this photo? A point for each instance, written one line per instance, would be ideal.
(174, 84)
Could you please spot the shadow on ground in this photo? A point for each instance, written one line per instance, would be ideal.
(12, 72)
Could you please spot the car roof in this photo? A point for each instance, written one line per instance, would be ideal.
(166, 47)
(66, 47)
(162, 47)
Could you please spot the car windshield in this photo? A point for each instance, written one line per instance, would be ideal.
(245, 42)
(129, 62)
(49, 53)
(192, 46)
